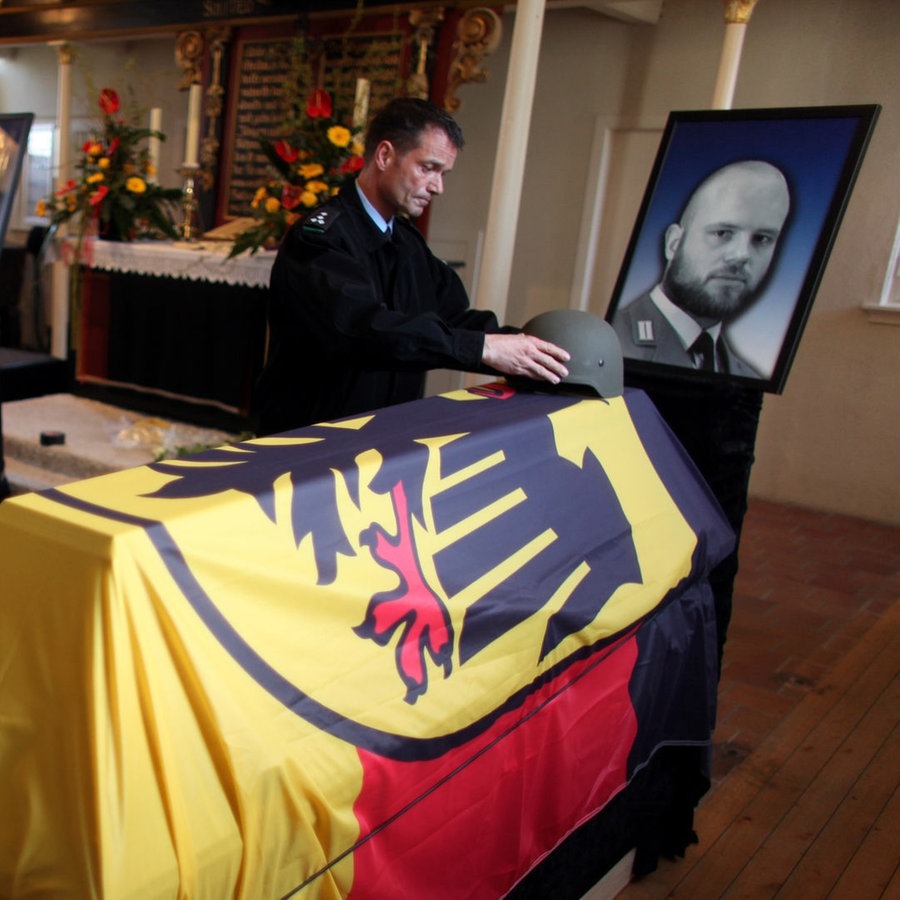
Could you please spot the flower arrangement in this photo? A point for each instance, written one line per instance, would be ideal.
(113, 191)
(309, 168)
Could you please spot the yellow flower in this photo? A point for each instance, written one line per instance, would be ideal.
(94, 178)
(308, 199)
(129, 168)
(150, 169)
(339, 136)
(94, 149)
(103, 162)
(71, 202)
(41, 208)
(358, 148)
(259, 196)
(272, 205)
(136, 185)
(310, 170)
(316, 187)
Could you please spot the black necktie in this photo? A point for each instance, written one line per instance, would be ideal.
(386, 256)
(704, 350)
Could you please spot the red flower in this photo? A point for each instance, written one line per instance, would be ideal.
(290, 195)
(113, 146)
(354, 164)
(70, 186)
(286, 151)
(97, 197)
(109, 101)
(319, 104)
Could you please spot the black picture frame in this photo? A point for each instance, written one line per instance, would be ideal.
(819, 150)
(14, 130)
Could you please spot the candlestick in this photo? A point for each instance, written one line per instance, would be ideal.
(153, 143)
(190, 227)
(192, 140)
(361, 104)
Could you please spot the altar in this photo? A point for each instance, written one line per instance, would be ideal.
(178, 319)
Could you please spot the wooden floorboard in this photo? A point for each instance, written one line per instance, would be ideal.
(809, 789)
(805, 799)
(847, 831)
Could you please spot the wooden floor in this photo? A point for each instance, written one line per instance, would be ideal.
(805, 800)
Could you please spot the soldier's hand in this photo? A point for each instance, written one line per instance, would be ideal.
(525, 355)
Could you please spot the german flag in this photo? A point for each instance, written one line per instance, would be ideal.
(403, 655)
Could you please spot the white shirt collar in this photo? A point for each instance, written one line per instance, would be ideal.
(685, 327)
(374, 215)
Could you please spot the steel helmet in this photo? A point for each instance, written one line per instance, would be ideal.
(594, 348)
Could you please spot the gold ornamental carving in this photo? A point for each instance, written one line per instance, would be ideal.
(64, 53)
(217, 39)
(478, 34)
(738, 12)
(425, 24)
(189, 56)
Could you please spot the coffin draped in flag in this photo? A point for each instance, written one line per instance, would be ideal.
(402, 655)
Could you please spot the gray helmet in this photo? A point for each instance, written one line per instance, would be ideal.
(596, 354)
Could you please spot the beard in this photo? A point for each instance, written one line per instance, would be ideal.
(721, 294)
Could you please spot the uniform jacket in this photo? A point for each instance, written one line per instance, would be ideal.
(356, 318)
(665, 346)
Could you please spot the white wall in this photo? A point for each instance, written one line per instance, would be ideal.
(830, 440)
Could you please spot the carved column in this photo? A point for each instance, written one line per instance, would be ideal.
(737, 15)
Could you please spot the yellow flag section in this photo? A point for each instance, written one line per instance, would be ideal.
(137, 758)
(664, 541)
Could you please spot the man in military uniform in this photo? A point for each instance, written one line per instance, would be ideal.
(361, 309)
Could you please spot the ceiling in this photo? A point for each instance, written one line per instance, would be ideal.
(24, 21)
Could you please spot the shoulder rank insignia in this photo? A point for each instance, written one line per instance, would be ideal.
(644, 332)
(320, 220)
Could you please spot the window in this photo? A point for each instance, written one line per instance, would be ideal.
(37, 175)
(887, 310)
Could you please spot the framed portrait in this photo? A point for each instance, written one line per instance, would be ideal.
(733, 234)
(13, 144)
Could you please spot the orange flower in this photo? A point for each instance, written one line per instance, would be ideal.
(339, 136)
(311, 170)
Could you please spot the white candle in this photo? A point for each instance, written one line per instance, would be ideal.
(192, 140)
(153, 143)
(361, 103)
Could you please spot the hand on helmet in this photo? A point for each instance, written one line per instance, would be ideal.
(526, 356)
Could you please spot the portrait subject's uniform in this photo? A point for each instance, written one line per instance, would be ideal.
(646, 333)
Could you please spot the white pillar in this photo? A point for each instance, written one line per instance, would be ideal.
(495, 269)
(737, 15)
(59, 318)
